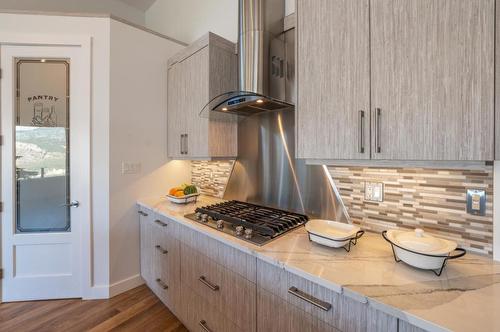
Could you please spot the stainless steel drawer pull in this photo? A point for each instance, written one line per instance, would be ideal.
(378, 115)
(160, 249)
(310, 299)
(208, 283)
(204, 326)
(161, 283)
(161, 223)
(182, 143)
(144, 214)
(361, 131)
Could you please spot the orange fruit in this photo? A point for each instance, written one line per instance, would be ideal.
(179, 193)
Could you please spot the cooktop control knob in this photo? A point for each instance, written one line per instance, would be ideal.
(248, 233)
(239, 230)
(220, 224)
(204, 217)
(197, 215)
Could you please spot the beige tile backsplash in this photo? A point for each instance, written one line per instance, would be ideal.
(432, 199)
(211, 176)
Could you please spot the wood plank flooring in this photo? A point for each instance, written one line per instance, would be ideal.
(136, 310)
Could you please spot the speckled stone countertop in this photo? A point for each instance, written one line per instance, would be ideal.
(466, 297)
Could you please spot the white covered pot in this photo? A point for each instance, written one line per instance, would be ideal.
(332, 233)
(422, 250)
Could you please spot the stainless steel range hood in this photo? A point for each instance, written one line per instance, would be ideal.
(260, 31)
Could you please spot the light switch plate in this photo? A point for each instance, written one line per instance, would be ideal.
(131, 168)
(374, 191)
(476, 202)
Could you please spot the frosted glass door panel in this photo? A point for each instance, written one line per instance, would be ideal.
(41, 148)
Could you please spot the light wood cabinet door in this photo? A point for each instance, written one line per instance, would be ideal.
(333, 91)
(432, 72)
(146, 238)
(176, 119)
(202, 71)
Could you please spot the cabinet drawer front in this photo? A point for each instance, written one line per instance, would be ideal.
(201, 316)
(233, 259)
(276, 314)
(226, 291)
(322, 303)
(164, 225)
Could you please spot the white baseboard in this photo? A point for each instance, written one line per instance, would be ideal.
(125, 285)
(96, 293)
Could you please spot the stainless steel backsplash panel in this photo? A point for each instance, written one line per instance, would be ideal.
(267, 173)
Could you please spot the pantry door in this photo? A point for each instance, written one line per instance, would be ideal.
(45, 121)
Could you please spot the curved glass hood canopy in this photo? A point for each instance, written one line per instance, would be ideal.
(241, 103)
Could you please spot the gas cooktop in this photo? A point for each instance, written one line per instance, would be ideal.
(253, 223)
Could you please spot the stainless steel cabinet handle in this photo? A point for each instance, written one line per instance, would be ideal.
(186, 143)
(71, 204)
(378, 115)
(161, 223)
(208, 283)
(310, 299)
(361, 131)
(144, 214)
(182, 144)
(160, 249)
(161, 283)
(204, 326)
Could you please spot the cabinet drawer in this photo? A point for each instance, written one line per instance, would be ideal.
(407, 327)
(223, 289)
(233, 259)
(329, 306)
(166, 269)
(200, 316)
(164, 225)
(275, 315)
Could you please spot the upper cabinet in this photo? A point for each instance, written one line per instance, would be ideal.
(199, 73)
(333, 70)
(429, 88)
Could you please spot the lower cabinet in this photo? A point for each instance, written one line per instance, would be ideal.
(210, 286)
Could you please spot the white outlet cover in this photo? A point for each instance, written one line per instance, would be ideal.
(374, 191)
(131, 168)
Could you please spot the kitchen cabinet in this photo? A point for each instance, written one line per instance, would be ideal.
(407, 327)
(197, 74)
(433, 79)
(160, 254)
(428, 93)
(210, 285)
(333, 73)
(320, 306)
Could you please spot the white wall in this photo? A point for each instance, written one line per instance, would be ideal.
(138, 134)
(187, 20)
(114, 7)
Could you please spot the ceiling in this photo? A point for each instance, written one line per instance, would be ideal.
(139, 4)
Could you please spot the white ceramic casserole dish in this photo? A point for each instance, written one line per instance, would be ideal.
(421, 250)
(332, 233)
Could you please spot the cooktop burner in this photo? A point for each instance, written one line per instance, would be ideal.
(253, 223)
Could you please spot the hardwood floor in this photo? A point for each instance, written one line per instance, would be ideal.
(136, 310)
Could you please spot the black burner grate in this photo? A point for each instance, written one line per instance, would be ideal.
(264, 220)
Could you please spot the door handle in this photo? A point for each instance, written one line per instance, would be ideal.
(361, 148)
(378, 114)
(71, 204)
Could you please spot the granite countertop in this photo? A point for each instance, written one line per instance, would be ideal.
(466, 297)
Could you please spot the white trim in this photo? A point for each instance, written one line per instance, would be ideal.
(496, 211)
(125, 285)
(97, 293)
(85, 43)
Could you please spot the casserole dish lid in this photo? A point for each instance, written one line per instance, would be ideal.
(331, 229)
(421, 242)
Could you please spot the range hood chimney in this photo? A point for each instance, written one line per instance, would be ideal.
(260, 22)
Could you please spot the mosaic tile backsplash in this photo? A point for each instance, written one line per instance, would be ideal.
(432, 199)
(211, 176)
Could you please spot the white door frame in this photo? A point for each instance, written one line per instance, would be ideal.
(85, 43)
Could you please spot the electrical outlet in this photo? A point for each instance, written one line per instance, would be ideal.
(374, 191)
(131, 168)
(476, 202)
